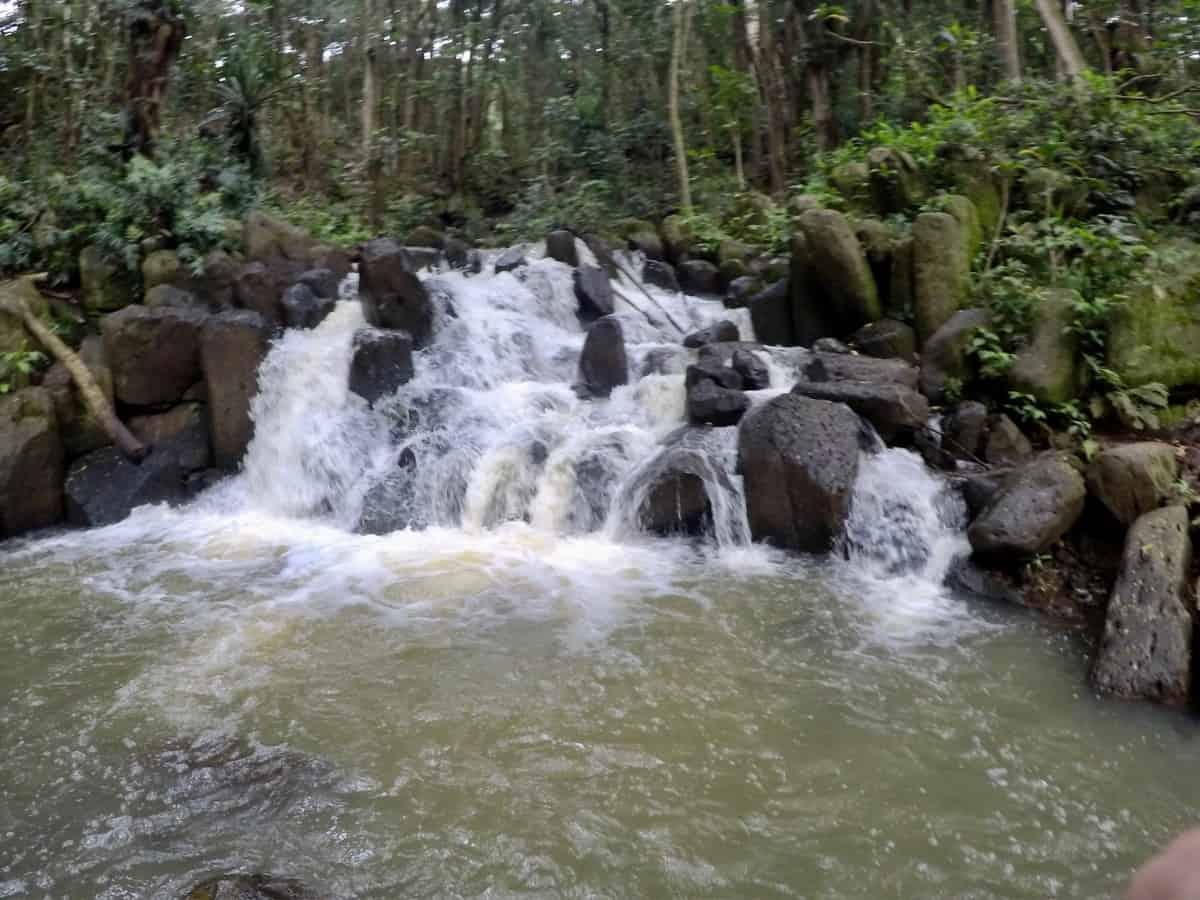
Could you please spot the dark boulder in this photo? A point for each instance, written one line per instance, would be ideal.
(886, 339)
(232, 346)
(964, 430)
(980, 488)
(250, 887)
(382, 362)
(699, 276)
(104, 487)
(740, 290)
(423, 257)
(660, 274)
(1145, 652)
(710, 404)
(170, 295)
(302, 308)
(1005, 444)
(560, 245)
(323, 282)
(392, 295)
(830, 345)
(845, 367)
(594, 293)
(260, 287)
(511, 259)
(799, 460)
(458, 253)
(603, 364)
(31, 462)
(674, 491)
(754, 372)
(715, 371)
(1034, 508)
(154, 354)
(944, 357)
(275, 242)
(426, 236)
(896, 412)
(181, 431)
(664, 361)
(967, 576)
(771, 313)
(1132, 479)
(716, 333)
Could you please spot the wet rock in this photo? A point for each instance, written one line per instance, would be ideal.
(944, 357)
(843, 367)
(196, 483)
(154, 354)
(103, 487)
(181, 431)
(1047, 366)
(423, 257)
(895, 411)
(980, 488)
(941, 271)
(31, 462)
(302, 308)
(968, 577)
(676, 498)
(250, 887)
(389, 504)
(1133, 479)
(698, 276)
(232, 346)
(664, 361)
(713, 334)
(710, 404)
(381, 363)
(1145, 652)
(886, 339)
(660, 274)
(753, 371)
(771, 313)
(1005, 444)
(830, 345)
(560, 245)
(323, 282)
(104, 284)
(838, 270)
(603, 364)
(511, 259)
(715, 371)
(1033, 509)
(594, 292)
(78, 428)
(964, 430)
(392, 295)
(740, 290)
(458, 253)
(425, 236)
(169, 295)
(799, 460)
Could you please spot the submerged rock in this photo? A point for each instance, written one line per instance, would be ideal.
(31, 462)
(250, 887)
(510, 260)
(381, 363)
(1133, 479)
(232, 346)
(154, 354)
(676, 500)
(1032, 510)
(104, 487)
(1145, 652)
(392, 295)
(603, 364)
(799, 459)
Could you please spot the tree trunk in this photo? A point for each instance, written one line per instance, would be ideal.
(155, 38)
(1070, 60)
(1004, 21)
(824, 125)
(682, 16)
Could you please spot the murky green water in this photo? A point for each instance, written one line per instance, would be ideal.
(513, 714)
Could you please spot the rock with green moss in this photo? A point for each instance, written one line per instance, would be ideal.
(1047, 367)
(970, 173)
(1155, 336)
(105, 285)
(899, 303)
(839, 277)
(31, 462)
(968, 217)
(678, 238)
(878, 243)
(896, 183)
(799, 204)
(161, 267)
(853, 181)
(643, 236)
(941, 270)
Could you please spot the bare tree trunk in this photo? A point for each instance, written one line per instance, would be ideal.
(370, 114)
(824, 125)
(1070, 60)
(1004, 21)
(155, 37)
(681, 17)
(774, 97)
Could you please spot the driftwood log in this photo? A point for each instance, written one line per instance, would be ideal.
(97, 404)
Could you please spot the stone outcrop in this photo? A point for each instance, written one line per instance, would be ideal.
(1005, 444)
(31, 462)
(154, 354)
(392, 295)
(1133, 479)
(603, 364)
(837, 278)
(232, 345)
(1145, 652)
(799, 459)
(1033, 509)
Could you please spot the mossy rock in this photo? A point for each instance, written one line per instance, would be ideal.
(1047, 367)
(106, 286)
(1046, 189)
(1155, 336)
(896, 183)
(968, 217)
(799, 204)
(161, 267)
(677, 237)
(941, 270)
(838, 267)
(853, 182)
(968, 171)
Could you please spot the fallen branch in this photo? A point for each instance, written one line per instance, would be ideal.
(642, 288)
(97, 404)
